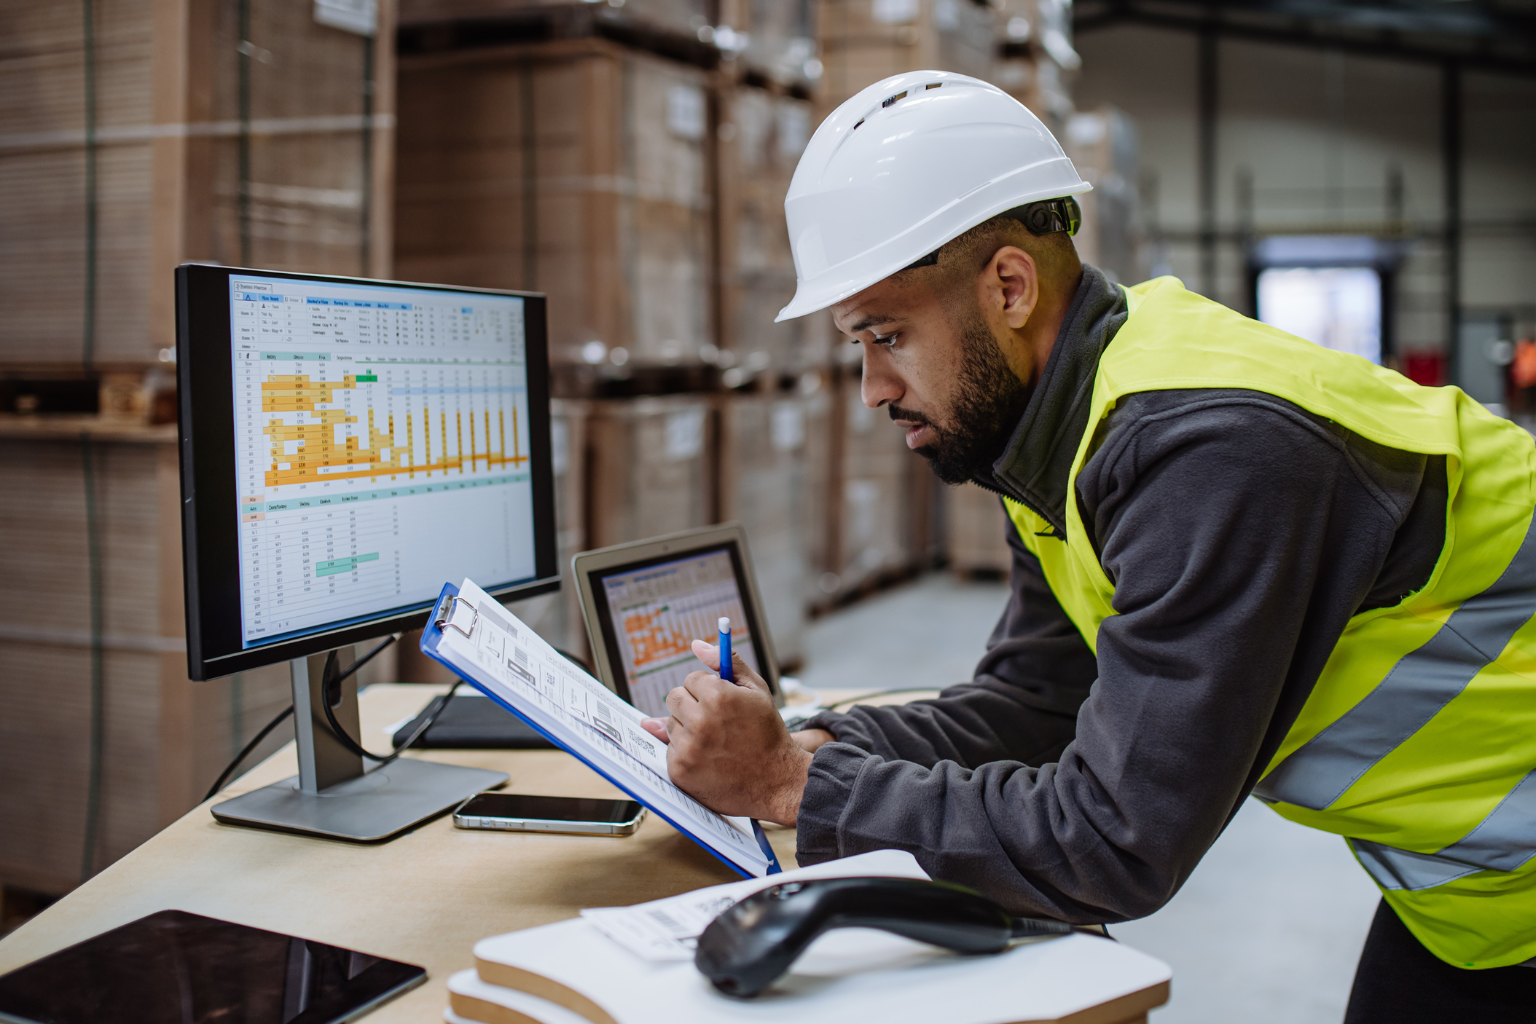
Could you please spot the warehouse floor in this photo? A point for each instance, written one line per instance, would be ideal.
(1266, 930)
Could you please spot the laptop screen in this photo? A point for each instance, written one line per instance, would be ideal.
(651, 613)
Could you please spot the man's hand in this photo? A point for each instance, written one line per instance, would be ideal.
(727, 746)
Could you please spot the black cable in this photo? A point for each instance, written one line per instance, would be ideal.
(246, 752)
(328, 688)
(267, 729)
(879, 693)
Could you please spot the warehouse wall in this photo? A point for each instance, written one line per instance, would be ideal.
(1320, 133)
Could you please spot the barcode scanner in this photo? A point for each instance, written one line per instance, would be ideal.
(755, 941)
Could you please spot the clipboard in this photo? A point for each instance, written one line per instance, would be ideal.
(474, 636)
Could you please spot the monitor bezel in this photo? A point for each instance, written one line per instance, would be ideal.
(589, 568)
(209, 492)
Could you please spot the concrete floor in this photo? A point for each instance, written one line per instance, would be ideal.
(1267, 929)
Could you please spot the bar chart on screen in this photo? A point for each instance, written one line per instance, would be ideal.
(660, 610)
(358, 411)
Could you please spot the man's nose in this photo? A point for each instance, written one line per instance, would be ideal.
(880, 384)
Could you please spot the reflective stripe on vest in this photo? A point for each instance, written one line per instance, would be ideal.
(1419, 685)
(1418, 740)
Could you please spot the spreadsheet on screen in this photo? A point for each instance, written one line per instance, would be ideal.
(381, 448)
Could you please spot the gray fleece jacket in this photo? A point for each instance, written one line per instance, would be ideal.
(1241, 533)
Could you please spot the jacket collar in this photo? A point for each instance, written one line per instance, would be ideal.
(1036, 466)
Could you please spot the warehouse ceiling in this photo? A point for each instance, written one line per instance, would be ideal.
(1492, 35)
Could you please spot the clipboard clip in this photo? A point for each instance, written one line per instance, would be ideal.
(445, 614)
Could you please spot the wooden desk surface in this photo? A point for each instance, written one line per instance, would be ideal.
(425, 897)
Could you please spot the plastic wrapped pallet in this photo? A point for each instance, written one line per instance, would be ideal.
(1102, 145)
(649, 467)
(165, 739)
(976, 541)
(762, 137)
(576, 168)
(863, 41)
(763, 486)
(294, 177)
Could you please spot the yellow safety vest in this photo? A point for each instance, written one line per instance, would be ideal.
(1418, 742)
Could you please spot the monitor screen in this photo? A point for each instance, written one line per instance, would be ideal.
(652, 613)
(382, 439)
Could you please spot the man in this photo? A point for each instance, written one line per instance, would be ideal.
(1242, 564)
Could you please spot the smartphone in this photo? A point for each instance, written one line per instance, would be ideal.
(515, 812)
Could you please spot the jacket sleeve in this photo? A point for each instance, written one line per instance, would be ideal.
(1020, 705)
(1234, 539)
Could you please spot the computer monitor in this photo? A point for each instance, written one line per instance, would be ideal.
(347, 446)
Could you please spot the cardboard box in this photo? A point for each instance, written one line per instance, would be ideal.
(762, 134)
(295, 177)
(863, 41)
(650, 467)
(763, 486)
(577, 168)
(976, 528)
(166, 738)
(1102, 145)
(557, 617)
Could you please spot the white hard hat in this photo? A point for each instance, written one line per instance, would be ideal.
(903, 167)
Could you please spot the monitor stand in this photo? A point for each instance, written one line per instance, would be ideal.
(335, 795)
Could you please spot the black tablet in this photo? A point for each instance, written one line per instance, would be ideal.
(176, 966)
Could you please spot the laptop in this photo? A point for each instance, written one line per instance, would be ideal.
(646, 602)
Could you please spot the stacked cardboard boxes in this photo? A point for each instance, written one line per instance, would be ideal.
(577, 168)
(763, 486)
(267, 143)
(1102, 145)
(156, 134)
(74, 498)
(650, 467)
(864, 41)
(762, 134)
(976, 533)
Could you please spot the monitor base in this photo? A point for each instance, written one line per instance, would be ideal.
(370, 808)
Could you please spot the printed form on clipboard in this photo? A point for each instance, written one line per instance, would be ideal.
(495, 652)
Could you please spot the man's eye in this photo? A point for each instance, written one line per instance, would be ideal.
(886, 339)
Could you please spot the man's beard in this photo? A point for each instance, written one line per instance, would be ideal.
(988, 402)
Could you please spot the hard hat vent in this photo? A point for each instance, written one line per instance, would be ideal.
(899, 96)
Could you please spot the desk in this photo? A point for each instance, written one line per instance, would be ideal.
(424, 898)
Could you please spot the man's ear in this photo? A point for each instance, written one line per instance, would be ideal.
(1012, 279)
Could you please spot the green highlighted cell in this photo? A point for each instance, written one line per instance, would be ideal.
(337, 565)
(364, 378)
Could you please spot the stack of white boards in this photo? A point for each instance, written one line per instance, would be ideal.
(634, 965)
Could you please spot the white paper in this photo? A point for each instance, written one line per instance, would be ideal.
(510, 661)
(663, 930)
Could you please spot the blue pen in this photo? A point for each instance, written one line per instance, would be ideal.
(725, 649)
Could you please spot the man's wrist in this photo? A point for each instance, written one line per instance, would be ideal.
(786, 804)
